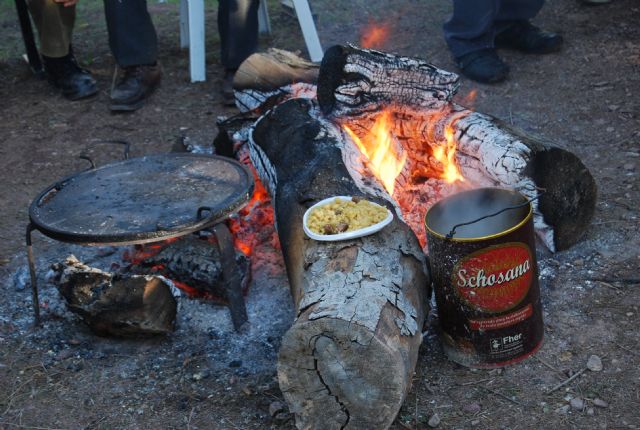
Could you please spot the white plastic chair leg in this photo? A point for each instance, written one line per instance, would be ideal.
(196, 40)
(308, 28)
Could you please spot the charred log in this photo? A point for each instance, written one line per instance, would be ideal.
(355, 81)
(348, 359)
(197, 263)
(489, 152)
(114, 305)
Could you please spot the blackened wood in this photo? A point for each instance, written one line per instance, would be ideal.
(348, 359)
(231, 276)
(196, 262)
(490, 152)
(114, 305)
(353, 81)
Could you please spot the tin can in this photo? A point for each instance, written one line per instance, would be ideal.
(483, 264)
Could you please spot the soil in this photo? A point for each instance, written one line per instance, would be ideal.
(204, 376)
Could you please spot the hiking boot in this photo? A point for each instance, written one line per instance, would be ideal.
(483, 66)
(65, 73)
(528, 38)
(135, 85)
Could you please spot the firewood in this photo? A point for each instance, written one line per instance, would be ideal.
(355, 81)
(266, 79)
(490, 152)
(348, 359)
(114, 305)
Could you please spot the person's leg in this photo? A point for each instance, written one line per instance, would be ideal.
(238, 26)
(471, 26)
(132, 36)
(55, 27)
(517, 10)
(515, 31)
(134, 44)
(470, 34)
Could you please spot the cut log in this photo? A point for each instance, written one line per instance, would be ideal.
(265, 71)
(266, 79)
(489, 152)
(114, 305)
(355, 81)
(348, 359)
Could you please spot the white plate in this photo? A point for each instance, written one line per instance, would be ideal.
(348, 234)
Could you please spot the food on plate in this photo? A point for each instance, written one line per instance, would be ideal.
(343, 215)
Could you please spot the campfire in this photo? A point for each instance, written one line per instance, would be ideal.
(383, 128)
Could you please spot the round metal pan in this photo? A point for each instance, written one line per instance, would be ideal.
(144, 199)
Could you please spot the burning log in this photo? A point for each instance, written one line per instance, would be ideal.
(488, 152)
(348, 359)
(114, 305)
(194, 264)
(356, 81)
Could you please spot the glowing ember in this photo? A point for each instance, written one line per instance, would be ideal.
(445, 154)
(385, 160)
(374, 35)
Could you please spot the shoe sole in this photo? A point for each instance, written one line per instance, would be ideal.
(79, 96)
(130, 107)
(115, 107)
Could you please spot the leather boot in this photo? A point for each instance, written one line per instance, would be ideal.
(65, 73)
(134, 87)
(528, 38)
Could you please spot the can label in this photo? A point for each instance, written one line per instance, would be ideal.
(494, 279)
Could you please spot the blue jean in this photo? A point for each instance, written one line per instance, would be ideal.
(475, 23)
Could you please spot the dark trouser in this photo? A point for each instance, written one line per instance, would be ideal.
(133, 40)
(132, 36)
(55, 25)
(238, 27)
(475, 23)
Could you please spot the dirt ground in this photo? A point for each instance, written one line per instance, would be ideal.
(585, 99)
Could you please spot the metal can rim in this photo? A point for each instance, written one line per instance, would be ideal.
(476, 239)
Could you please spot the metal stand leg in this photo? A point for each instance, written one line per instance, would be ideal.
(34, 278)
(231, 277)
(29, 40)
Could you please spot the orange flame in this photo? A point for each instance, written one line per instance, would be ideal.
(374, 35)
(446, 153)
(377, 146)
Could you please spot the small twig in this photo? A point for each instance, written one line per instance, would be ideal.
(21, 426)
(190, 417)
(232, 423)
(608, 285)
(566, 381)
(621, 280)
(416, 412)
(503, 396)
(626, 349)
(404, 425)
(464, 384)
(549, 366)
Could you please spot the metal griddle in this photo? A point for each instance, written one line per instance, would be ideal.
(142, 200)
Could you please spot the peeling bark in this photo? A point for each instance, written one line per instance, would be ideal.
(348, 359)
